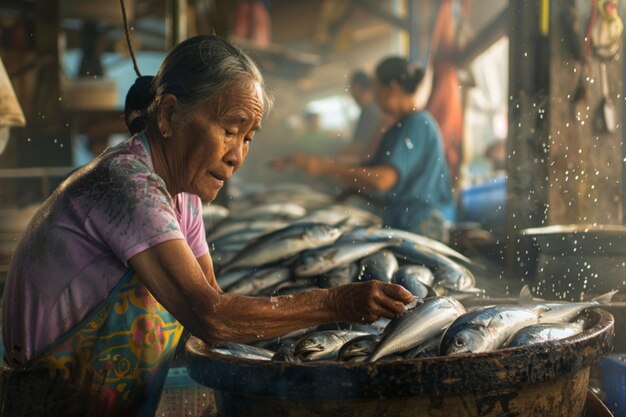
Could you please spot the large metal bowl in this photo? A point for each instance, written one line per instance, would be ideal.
(546, 379)
(579, 259)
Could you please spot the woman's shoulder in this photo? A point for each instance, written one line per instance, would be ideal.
(421, 118)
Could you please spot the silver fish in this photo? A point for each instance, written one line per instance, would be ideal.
(417, 325)
(379, 266)
(284, 243)
(414, 278)
(281, 287)
(487, 328)
(323, 345)
(428, 349)
(422, 241)
(260, 280)
(230, 226)
(341, 275)
(241, 350)
(214, 213)
(239, 237)
(538, 333)
(226, 279)
(289, 210)
(376, 328)
(284, 356)
(562, 311)
(320, 261)
(447, 272)
(358, 349)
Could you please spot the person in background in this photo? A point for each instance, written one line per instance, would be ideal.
(408, 173)
(371, 123)
(116, 262)
(496, 154)
(314, 139)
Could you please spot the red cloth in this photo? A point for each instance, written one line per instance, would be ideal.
(445, 99)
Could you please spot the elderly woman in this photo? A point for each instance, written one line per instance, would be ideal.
(408, 173)
(115, 263)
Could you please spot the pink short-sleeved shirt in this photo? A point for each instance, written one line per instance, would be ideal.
(77, 247)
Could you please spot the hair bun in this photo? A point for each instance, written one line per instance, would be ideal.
(140, 95)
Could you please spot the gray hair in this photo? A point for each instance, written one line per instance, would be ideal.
(197, 71)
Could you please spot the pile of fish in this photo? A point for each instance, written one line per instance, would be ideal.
(430, 327)
(292, 239)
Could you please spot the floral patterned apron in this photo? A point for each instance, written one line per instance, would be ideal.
(113, 363)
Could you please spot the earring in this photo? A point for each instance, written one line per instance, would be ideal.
(165, 135)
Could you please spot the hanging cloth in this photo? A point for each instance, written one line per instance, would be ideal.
(113, 363)
(445, 99)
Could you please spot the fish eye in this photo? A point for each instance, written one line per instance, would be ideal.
(458, 342)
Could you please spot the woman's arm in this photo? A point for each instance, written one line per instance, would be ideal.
(206, 264)
(175, 278)
(380, 178)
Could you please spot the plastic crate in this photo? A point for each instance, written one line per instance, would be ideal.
(485, 204)
(182, 396)
(614, 367)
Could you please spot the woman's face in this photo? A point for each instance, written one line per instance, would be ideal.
(385, 97)
(210, 147)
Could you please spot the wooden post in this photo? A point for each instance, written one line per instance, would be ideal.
(564, 167)
(585, 160)
(47, 108)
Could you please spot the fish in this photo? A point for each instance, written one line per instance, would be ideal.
(344, 274)
(562, 311)
(282, 210)
(447, 272)
(281, 287)
(322, 260)
(284, 356)
(376, 328)
(415, 278)
(238, 237)
(240, 350)
(259, 280)
(544, 332)
(428, 349)
(379, 266)
(285, 243)
(228, 226)
(486, 329)
(417, 325)
(358, 349)
(466, 294)
(214, 213)
(323, 345)
(225, 280)
(424, 242)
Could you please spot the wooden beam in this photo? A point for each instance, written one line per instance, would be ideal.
(527, 163)
(492, 32)
(378, 11)
(564, 167)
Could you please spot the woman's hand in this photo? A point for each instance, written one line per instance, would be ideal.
(365, 302)
(311, 165)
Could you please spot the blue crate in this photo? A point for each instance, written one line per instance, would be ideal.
(178, 378)
(614, 367)
(485, 204)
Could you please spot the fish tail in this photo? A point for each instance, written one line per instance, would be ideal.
(605, 298)
(525, 295)
(343, 224)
